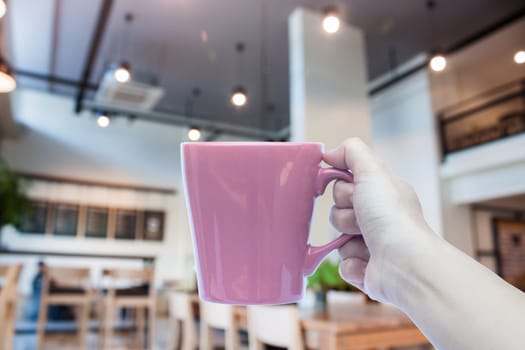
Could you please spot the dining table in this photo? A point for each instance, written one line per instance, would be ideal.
(361, 325)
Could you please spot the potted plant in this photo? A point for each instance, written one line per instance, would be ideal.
(327, 278)
(13, 202)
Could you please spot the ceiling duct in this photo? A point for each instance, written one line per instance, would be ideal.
(133, 94)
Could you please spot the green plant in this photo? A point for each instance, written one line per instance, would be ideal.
(13, 202)
(327, 277)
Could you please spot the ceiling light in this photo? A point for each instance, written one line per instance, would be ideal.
(519, 57)
(331, 23)
(239, 97)
(122, 74)
(7, 82)
(3, 8)
(103, 121)
(194, 134)
(438, 63)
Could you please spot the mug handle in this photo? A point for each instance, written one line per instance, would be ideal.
(314, 255)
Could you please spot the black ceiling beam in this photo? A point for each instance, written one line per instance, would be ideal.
(460, 44)
(96, 39)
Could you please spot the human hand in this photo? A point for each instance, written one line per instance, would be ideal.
(384, 214)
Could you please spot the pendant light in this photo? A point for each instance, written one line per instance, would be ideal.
(7, 81)
(194, 134)
(3, 8)
(239, 96)
(122, 72)
(519, 57)
(331, 21)
(103, 120)
(438, 62)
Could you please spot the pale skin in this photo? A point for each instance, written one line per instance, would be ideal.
(396, 258)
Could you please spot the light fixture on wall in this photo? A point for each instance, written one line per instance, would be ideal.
(122, 73)
(103, 120)
(194, 134)
(519, 57)
(438, 63)
(239, 96)
(7, 81)
(3, 8)
(331, 21)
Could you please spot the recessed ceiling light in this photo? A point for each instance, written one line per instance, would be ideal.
(519, 57)
(438, 63)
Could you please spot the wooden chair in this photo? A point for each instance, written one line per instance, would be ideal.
(182, 317)
(8, 300)
(66, 286)
(276, 326)
(218, 316)
(140, 297)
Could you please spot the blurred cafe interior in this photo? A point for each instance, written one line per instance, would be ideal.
(97, 96)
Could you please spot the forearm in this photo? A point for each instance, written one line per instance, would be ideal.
(455, 301)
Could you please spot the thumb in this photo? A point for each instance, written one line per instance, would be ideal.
(355, 155)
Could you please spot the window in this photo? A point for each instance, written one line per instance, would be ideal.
(153, 229)
(125, 224)
(71, 219)
(66, 220)
(97, 222)
(36, 218)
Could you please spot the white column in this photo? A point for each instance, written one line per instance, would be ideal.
(328, 96)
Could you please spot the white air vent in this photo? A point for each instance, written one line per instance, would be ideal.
(132, 94)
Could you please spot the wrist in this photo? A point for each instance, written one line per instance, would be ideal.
(408, 274)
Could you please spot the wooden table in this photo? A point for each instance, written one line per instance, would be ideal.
(354, 326)
(360, 326)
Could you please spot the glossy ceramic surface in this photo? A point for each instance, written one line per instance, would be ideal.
(250, 207)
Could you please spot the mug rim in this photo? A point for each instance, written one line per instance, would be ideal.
(249, 143)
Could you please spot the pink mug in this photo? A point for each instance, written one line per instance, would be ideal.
(250, 206)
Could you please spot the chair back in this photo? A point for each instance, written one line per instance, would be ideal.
(180, 306)
(181, 312)
(8, 299)
(10, 275)
(131, 277)
(216, 315)
(274, 325)
(68, 277)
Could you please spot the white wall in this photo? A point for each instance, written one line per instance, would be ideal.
(403, 133)
(59, 143)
